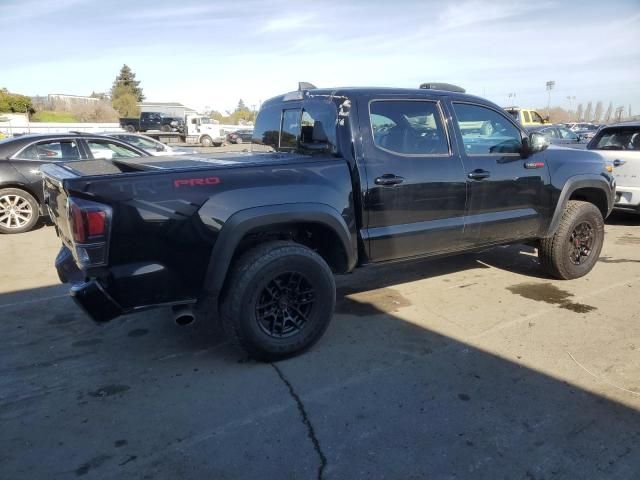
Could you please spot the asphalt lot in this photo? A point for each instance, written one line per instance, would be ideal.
(467, 367)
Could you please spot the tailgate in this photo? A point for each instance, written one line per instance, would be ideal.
(55, 199)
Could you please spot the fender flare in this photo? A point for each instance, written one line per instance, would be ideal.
(571, 185)
(242, 222)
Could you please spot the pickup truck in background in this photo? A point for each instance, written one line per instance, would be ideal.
(527, 116)
(153, 121)
(356, 176)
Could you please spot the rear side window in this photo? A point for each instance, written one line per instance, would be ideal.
(52, 151)
(408, 127)
(107, 150)
(619, 139)
(485, 131)
(549, 132)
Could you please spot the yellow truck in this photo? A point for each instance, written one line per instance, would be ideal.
(526, 116)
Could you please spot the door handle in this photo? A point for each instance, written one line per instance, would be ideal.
(479, 174)
(617, 162)
(389, 179)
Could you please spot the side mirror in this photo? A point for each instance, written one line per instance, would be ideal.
(537, 142)
(545, 119)
(160, 148)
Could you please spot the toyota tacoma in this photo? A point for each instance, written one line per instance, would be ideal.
(353, 176)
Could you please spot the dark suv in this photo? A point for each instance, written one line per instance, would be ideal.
(20, 161)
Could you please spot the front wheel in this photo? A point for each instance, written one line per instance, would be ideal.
(279, 300)
(206, 141)
(238, 141)
(575, 247)
(19, 211)
(130, 128)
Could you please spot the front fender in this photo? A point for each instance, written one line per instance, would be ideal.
(574, 183)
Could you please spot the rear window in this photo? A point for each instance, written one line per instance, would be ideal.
(624, 138)
(287, 129)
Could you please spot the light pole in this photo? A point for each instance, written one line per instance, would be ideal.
(510, 96)
(550, 85)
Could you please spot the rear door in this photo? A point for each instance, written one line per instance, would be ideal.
(415, 195)
(507, 195)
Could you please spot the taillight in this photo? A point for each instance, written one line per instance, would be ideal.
(90, 223)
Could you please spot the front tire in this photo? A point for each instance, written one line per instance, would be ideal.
(19, 211)
(165, 128)
(575, 247)
(206, 141)
(279, 300)
(130, 128)
(238, 141)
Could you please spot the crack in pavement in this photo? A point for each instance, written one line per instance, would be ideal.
(305, 419)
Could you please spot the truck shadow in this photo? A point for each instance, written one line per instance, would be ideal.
(380, 393)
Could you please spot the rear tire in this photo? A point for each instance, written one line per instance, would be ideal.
(165, 128)
(19, 211)
(279, 300)
(575, 247)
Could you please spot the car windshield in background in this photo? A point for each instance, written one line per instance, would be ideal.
(624, 138)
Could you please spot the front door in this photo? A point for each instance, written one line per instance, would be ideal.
(508, 195)
(414, 201)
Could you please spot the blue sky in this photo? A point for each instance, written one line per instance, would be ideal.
(210, 53)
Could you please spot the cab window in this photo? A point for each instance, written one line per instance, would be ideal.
(485, 131)
(290, 130)
(549, 132)
(567, 134)
(526, 117)
(536, 118)
(408, 127)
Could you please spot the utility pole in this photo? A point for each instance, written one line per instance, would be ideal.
(510, 96)
(571, 99)
(550, 85)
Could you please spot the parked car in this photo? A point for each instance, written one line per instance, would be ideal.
(526, 116)
(21, 157)
(587, 132)
(620, 144)
(558, 135)
(357, 176)
(151, 145)
(240, 136)
(153, 121)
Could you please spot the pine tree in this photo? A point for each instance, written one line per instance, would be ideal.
(126, 82)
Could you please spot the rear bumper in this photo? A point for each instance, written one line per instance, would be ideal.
(95, 301)
(120, 290)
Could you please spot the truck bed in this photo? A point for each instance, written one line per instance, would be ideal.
(180, 162)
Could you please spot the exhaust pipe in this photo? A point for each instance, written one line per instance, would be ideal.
(183, 315)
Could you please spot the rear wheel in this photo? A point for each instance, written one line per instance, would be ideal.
(19, 211)
(165, 128)
(575, 247)
(279, 300)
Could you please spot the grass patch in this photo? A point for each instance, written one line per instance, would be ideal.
(53, 116)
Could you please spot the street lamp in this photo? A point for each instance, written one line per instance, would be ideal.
(550, 85)
(510, 96)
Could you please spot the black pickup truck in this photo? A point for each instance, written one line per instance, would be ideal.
(356, 176)
(153, 121)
